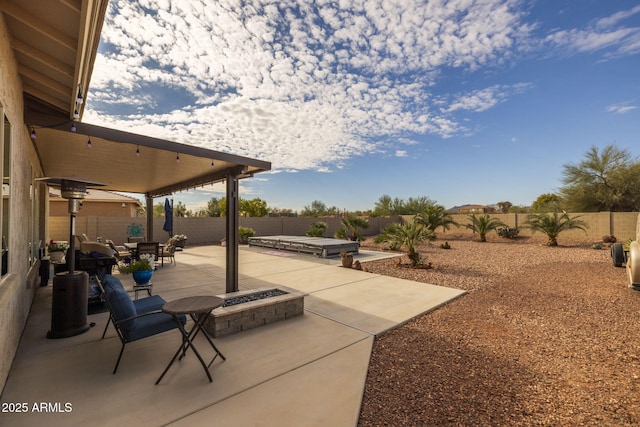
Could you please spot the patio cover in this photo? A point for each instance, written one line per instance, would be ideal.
(112, 160)
(55, 43)
(161, 168)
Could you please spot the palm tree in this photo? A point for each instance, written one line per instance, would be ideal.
(554, 224)
(350, 226)
(435, 216)
(408, 235)
(483, 224)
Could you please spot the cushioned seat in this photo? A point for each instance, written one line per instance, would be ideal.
(151, 303)
(134, 320)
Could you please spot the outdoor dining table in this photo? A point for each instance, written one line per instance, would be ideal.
(132, 246)
(198, 308)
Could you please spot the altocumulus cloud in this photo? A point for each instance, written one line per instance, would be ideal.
(306, 85)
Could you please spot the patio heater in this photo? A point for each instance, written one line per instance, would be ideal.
(70, 288)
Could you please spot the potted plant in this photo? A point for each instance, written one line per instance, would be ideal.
(57, 251)
(347, 259)
(141, 269)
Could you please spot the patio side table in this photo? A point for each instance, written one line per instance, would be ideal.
(198, 308)
(147, 287)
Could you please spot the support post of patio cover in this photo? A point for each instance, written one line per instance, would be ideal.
(232, 233)
(149, 219)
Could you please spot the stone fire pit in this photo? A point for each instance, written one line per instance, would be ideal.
(256, 307)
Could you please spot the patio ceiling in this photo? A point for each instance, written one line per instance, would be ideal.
(112, 160)
(55, 44)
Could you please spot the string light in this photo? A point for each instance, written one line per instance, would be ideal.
(73, 126)
(79, 99)
(33, 133)
(89, 143)
(138, 151)
(76, 115)
(211, 164)
(177, 158)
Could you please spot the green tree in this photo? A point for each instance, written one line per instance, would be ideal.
(316, 209)
(505, 206)
(180, 210)
(386, 206)
(554, 224)
(383, 206)
(414, 206)
(158, 209)
(214, 207)
(547, 202)
(483, 224)
(350, 227)
(408, 236)
(435, 216)
(605, 180)
(255, 207)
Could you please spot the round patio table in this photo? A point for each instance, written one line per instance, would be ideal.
(198, 308)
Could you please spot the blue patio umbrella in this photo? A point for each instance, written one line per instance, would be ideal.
(168, 217)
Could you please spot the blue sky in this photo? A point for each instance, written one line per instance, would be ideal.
(461, 101)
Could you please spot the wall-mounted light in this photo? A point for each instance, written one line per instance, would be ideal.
(123, 205)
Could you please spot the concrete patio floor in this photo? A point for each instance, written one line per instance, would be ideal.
(309, 370)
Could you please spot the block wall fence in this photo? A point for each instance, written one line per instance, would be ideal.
(622, 225)
(207, 231)
(200, 231)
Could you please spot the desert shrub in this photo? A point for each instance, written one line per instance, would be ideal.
(318, 229)
(415, 258)
(596, 246)
(507, 232)
(244, 233)
(351, 227)
(445, 245)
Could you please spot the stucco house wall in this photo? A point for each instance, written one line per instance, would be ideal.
(18, 286)
(94, 208)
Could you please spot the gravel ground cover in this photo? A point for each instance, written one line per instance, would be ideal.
(545, 336)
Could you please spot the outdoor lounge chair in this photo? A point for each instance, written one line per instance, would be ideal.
(134, 320)
(97, 248)
(169, 251)
(119, 252)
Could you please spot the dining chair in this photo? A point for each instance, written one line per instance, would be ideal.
(148, 248)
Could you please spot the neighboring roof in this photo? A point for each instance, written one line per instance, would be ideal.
(95, 195)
